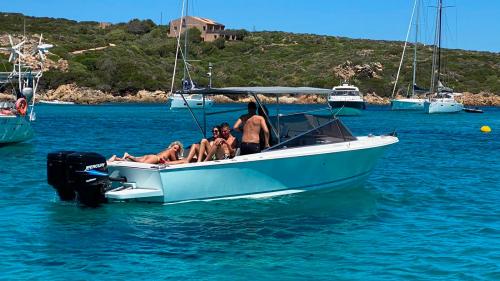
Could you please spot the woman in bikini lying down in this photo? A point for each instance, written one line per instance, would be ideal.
(170, 155)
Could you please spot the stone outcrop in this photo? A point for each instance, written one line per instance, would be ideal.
(348, 70)
(83, 95)
(373, 98)
(481, 99)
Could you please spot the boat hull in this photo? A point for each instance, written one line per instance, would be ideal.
(348, 108)
(407, 104)
(14, 129)
(442, 106)
(330, 166)
(179, 103)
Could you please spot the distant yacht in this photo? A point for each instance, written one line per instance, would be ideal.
(443, 99)
(189, 101)
(56, 102)
(346, 100)
(412, 102)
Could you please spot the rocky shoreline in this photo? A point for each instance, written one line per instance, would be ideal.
(83, 95)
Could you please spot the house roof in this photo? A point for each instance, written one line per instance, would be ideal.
(204, 20)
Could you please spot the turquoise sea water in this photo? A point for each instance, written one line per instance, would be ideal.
(430, 210)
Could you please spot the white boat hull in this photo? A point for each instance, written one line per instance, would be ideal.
(178, 103)
(14, 129)
(329, 166)
(443, 106)
(407, 104)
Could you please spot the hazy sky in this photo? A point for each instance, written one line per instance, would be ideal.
(469, 24)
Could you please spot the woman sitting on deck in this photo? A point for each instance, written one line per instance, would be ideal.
(170, 155)
(200, 150)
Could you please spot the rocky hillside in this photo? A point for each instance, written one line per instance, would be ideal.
(123, 59)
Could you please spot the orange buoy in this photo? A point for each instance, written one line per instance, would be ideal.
(22, 106)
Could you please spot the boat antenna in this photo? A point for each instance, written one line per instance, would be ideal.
(404, 50)
(209, 74)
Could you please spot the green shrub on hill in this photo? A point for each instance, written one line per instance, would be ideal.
(142, 57)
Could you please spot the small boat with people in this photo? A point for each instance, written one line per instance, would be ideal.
(346, 100)
(277, 154)
(303, 151)
(17, 115)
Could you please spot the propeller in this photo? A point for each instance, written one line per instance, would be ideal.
(15, 50)
(42, 48)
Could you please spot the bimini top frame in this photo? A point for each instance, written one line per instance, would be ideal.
(254, 92)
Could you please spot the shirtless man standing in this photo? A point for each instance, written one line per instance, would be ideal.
(252, 125)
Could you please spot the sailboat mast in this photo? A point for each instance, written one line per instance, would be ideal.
(415, 51)
(439, 43)
(435, 51)
(185, 21)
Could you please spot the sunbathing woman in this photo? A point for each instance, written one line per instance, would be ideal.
(170, 155)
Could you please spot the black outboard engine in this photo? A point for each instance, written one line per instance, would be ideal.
(57, 175)
(84, 174)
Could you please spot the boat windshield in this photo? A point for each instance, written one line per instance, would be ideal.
(310, 129)
(345, 93)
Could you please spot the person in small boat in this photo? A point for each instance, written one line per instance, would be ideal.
(223, 147)
(251, 124)
(200, 150)
(170, 155)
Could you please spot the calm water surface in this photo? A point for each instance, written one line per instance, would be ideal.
(430, 210)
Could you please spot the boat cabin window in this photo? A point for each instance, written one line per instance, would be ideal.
(345, 93)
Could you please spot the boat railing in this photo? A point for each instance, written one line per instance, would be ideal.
(305, 112)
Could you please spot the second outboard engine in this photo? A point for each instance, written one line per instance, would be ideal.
(82, 173)
(57, 175)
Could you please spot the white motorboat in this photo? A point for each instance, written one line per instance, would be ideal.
(313, 152)
(16, 116)
(346, 100)
(412, 102)
(177, 101)
(56, 102)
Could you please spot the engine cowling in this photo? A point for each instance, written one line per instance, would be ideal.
(79, 175)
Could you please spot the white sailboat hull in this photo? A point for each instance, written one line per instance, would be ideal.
(14, 129)
(329, 166)
(443, 106)
(407, 104)
(177, 102)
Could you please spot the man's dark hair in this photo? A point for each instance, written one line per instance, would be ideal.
(225, 125)
(252, 106)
